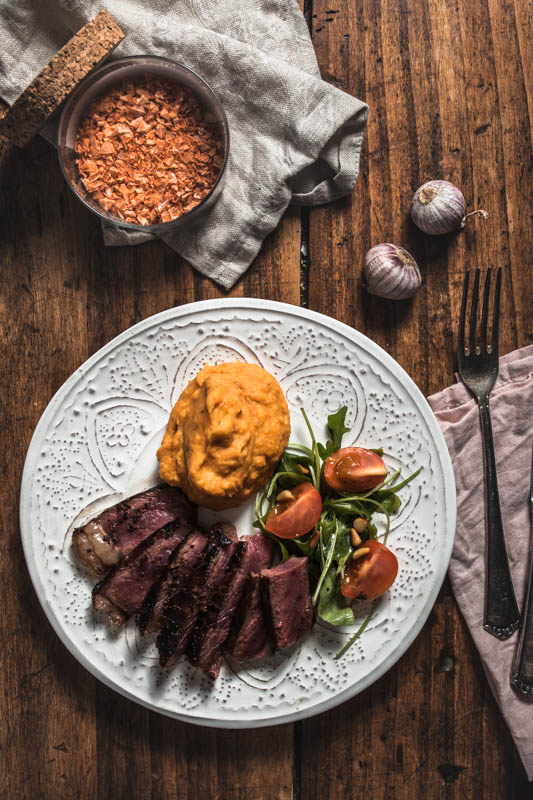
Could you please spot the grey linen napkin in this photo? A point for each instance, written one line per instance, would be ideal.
(294, 138)
(512, 425)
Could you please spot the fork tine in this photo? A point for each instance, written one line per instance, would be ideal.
(496, 314)
(473, 314)
(463, 315)
(485, 312)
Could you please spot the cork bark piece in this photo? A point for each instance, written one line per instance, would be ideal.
(88, 48)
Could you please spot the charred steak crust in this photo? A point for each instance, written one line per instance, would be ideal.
(108, 537)
(285, 591)
(178, 572)
(223, 534)
(203, 593)
(251, 636)
(209, 636)
(125, 586)
(208, 616)
(183, 606)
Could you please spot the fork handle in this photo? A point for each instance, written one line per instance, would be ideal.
(501, 616)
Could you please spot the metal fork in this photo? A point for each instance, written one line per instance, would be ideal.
(478, 368)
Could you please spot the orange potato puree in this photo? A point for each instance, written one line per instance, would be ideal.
(225, 434)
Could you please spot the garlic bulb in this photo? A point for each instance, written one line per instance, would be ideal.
(440, 207)
(391, 272)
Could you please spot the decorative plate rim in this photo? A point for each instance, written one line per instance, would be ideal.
(422, 407)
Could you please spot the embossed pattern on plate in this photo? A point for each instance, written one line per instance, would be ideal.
(96, 443)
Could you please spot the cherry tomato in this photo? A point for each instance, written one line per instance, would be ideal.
(291, 518)
(370, 576)
(354, 469)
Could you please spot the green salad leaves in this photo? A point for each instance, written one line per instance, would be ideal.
(331, 544)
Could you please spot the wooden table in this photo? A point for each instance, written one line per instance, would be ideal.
(449, 87)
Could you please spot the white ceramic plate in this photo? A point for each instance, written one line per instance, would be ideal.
(96, 443)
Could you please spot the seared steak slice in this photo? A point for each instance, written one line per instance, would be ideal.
(107, 538)
(285, 590)
(250, 638)
(183, 607)
(213, 626)
(176, 574)
(124, 588)
(209, 614)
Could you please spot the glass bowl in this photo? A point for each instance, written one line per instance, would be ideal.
(135, 68)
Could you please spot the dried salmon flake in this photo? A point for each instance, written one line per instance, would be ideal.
(148, 152)
(106, 148)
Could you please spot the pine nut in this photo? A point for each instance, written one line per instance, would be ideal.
(284, 496)
(363, 551)
(355, 539)
(360, 524)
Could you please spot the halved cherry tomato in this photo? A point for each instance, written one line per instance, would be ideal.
(354, 469)
(370, 576)
(292, 518)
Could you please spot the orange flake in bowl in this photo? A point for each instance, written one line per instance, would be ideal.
(151, 148)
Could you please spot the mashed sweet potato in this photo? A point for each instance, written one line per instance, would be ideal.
(225, 434)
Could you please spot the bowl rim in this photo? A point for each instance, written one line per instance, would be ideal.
(74, 97)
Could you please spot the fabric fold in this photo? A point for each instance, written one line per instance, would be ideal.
(293, 137)
(512, 425)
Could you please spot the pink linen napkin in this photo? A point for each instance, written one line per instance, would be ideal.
(512, 423)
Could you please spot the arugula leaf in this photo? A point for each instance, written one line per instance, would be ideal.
(389, 501)
(290, 462)
(287, 479)
(358, 632)
(339, 528)
(343, 550)
(330, 604)
(300, 448)
(304, 547)
(337, 429)
(284, 552)
(341, 563)
(387, 484)
(371, 532)
(314, 468)
(345, 507)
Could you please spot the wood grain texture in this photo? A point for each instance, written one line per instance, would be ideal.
(450, 90)
(448, 94)
(64, 295)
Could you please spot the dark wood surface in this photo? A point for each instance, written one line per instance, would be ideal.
(449, 86)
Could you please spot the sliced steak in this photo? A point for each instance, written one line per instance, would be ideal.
(183, 607)
(285, 590)
(250, 637)
(208, 637)
(124, 588)
(104, 540)
(177, 574)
